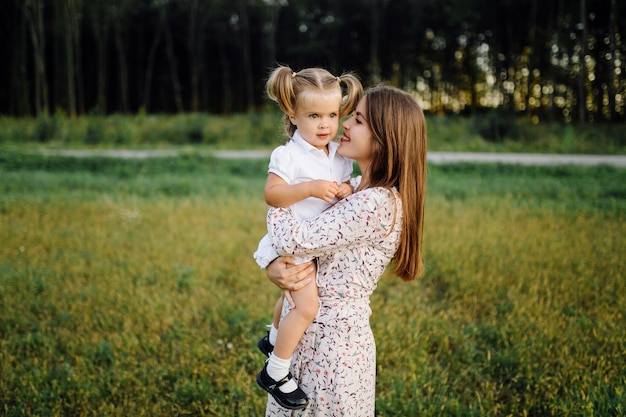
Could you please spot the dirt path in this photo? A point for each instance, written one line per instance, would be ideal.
(528, 158)
(433, 157)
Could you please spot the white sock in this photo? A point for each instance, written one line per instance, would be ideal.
(273, 334)
(277, 369)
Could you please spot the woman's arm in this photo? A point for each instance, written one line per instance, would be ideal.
(367, 215)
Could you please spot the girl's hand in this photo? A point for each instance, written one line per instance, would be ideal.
(345, 190)
(322, 189)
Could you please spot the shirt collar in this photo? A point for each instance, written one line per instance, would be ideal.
(300, 141)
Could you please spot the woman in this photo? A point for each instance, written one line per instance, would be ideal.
(353, 242)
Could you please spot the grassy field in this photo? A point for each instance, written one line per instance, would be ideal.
(127, 288)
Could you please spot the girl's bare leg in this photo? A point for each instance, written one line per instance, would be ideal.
(295, 323)
(278, 308)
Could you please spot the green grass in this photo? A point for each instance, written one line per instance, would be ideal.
(127, 288)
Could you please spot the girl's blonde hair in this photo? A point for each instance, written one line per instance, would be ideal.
(399, 147)
(290, 89)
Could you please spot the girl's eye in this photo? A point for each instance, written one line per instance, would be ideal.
(333, 115)
(314, 116)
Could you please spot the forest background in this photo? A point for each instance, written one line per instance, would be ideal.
(552, 60)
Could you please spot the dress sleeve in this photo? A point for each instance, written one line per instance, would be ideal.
(283, 164)
(366, 215)
(355, 182)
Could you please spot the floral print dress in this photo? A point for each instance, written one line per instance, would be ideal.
(353, 241)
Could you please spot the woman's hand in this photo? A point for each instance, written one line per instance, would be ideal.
(288, 276)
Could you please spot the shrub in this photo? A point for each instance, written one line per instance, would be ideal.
(496, 125)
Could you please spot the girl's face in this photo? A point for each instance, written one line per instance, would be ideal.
(356, 142)
(317, 117)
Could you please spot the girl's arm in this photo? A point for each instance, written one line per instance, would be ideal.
(363, 216)
(345, 189)
(280, 194)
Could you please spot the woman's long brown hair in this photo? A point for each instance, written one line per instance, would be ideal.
(399, 134)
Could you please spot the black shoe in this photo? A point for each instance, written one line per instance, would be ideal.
(265, 346)
(295, 400)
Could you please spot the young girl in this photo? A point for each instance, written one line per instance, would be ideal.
(307, 174)
(353, 242)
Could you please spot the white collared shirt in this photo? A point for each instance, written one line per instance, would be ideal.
(298, 161)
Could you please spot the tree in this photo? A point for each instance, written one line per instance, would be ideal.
(73, 55)
(244, 32)
(565, 60)
(199, 17)
(582, 101)
(14, 31)
(611, 62)
(34, 12)
(157, 34)
(119, 10)
(100, 21)
(171, 58)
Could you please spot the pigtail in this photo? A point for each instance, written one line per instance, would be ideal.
(354, 92)
(280, 89)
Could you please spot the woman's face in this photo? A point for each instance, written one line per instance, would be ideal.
(356, 142)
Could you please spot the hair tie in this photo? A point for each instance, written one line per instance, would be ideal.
(293, 74)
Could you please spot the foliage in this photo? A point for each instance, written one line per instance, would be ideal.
(243, 131)
(547, 60)
(496, 125)
(127, 287)
(198, 131)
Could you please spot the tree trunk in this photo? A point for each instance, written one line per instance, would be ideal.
(99, 19)
(169, 46)
(374, 64)
(199, 15)
(582, 101)
(20, 104)
(227, 95)
(78, 62)
(33, 9)
(102, 78)
(69, 13)
(532, 41)
(270, 42)
(194, 46)
(123, 66)
(611, 63)
(245, 56)
(150, 69)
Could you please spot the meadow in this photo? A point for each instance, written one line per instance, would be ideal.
(128, 288)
